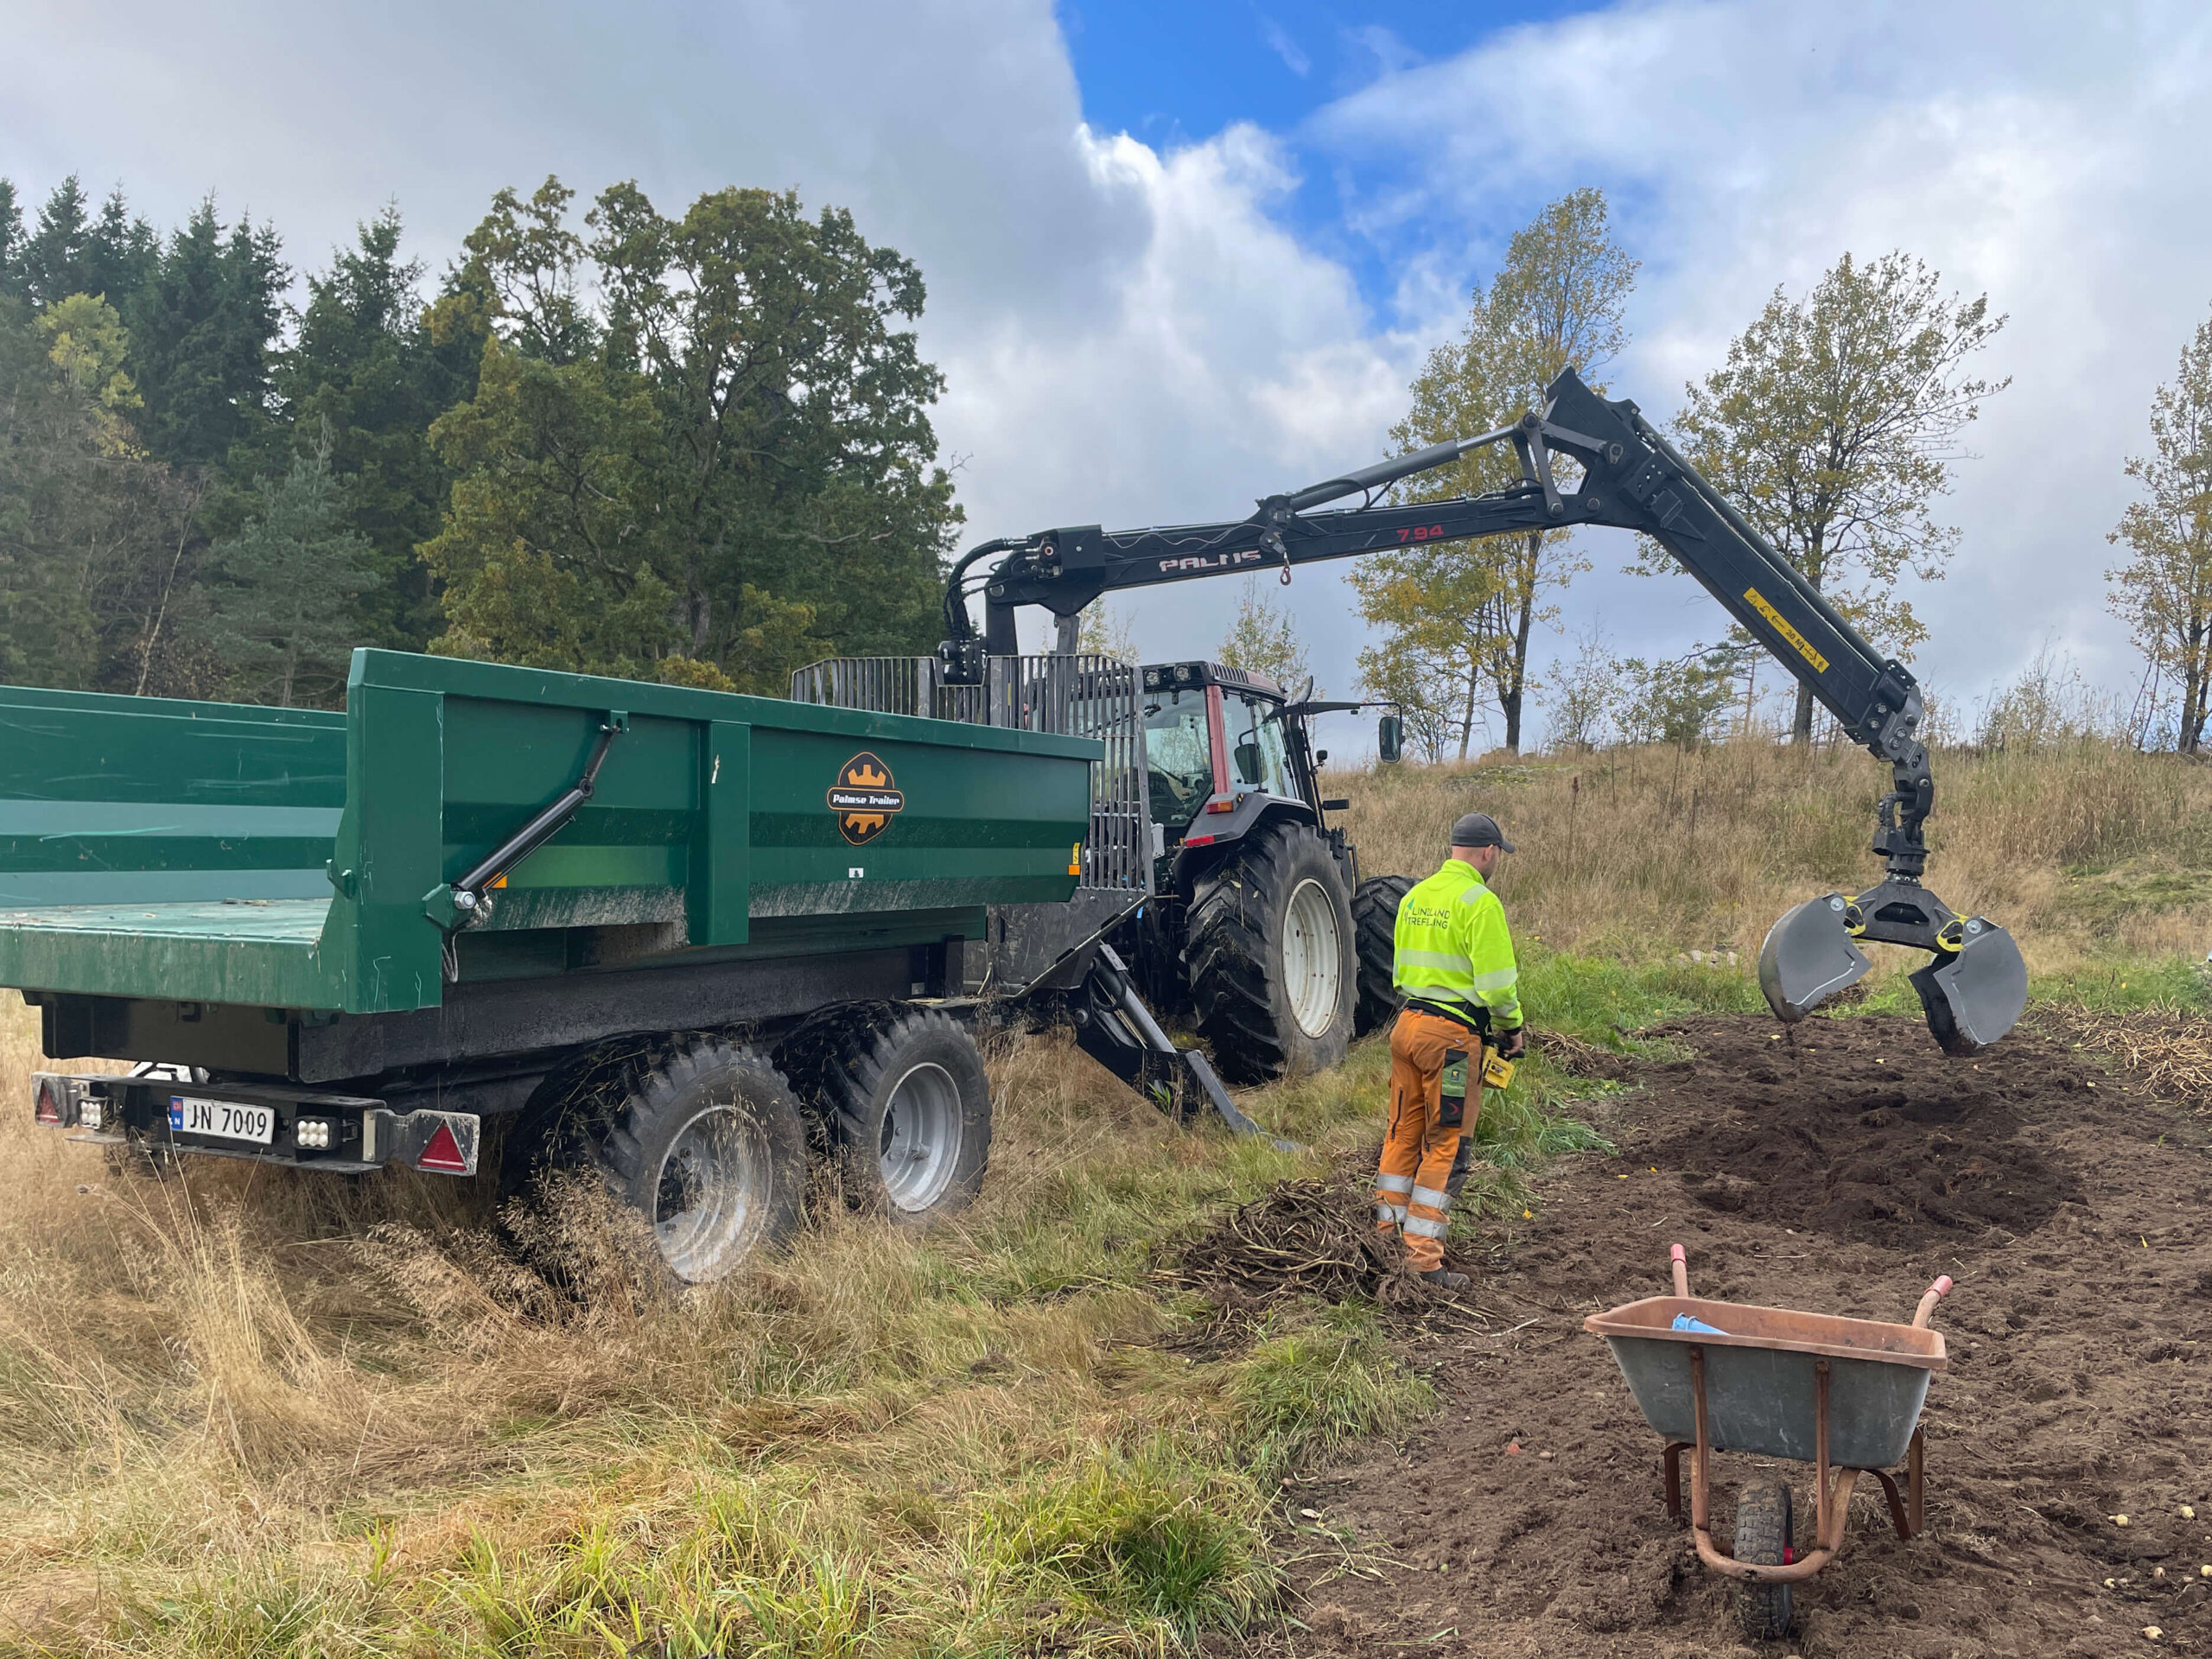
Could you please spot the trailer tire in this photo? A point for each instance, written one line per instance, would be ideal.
(708, 1145)
(1375, 934)
(908, 1107)
(1764, 1532)
(1269, 950)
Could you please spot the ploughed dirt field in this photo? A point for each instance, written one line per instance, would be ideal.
(1838, 1170)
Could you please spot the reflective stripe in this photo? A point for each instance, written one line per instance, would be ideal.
(1432, 1198)
(1393, 1183)
(1433, 993)
(1422, 1227)
(1436, 959)
(1389, 1214)
(1498, 982)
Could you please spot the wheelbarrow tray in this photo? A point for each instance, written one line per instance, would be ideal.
(1761, 1387)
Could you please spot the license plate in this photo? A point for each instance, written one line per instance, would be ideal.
(225, 1120)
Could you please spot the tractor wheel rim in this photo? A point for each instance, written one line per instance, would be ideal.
(920, 1141)
(711, 1194)
(1312, 958)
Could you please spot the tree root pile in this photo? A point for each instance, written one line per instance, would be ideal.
(1305, 1237)
(2168, 1053)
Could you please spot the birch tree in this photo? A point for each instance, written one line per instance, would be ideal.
(1834, 427)
(2164, 590)
(1558, 301)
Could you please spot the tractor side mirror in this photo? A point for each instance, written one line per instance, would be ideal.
(1389, 734)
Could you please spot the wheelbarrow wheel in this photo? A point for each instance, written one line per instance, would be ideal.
(1763, 1534)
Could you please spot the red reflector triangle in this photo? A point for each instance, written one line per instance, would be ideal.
(49, 1110)
(443, 1154)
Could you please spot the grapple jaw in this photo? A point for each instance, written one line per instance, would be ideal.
(1809, 956)
(1973, 992)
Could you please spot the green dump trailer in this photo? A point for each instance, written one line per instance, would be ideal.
(689, 934)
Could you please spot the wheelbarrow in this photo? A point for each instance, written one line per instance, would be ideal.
(1842, 1394)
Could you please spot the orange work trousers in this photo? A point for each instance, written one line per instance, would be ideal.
(1410, 1188)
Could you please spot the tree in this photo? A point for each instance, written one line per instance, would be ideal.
(725, 462)
(93, 532)
(1678, 700)
(367, 376)
(1107, 633)
(1425, 690)
(277, 593)
(2164, 592)
(1262, 639)
(1584, 694)
(1424, 661)
(11, 239)
(1556, 302)
(205, 332)
(1834, 427)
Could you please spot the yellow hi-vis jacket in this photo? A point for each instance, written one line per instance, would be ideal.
(1453, 949)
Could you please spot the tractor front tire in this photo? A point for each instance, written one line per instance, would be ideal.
(1269, 956)
(908, 1108)
(708, 1146)
(1375, 931)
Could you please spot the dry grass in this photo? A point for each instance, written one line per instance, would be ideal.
(2086, 852)
(246, 1412)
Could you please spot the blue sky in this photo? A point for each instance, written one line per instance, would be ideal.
(1169, 271)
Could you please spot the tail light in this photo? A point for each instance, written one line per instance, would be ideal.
(49, 1104)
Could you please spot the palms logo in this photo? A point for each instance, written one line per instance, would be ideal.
(864, 797)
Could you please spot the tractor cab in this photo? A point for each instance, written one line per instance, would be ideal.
(1215, 737)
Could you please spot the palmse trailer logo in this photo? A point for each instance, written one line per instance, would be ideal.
(864, 797)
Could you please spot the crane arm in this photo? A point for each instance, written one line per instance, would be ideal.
(1630, 479)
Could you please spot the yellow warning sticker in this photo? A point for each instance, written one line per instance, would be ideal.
(1781, 627)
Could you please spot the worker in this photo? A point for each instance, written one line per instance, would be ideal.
(1454, 968)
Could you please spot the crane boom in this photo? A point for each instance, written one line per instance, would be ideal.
(1630, 479)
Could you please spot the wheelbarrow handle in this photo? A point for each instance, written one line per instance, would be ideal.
(1935, 1293)
(1682, 1272)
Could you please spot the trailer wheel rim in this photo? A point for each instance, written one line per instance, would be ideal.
(711, 1195)
(1312, 958)
(919, 1145)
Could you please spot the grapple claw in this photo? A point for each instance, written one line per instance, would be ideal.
(1973, 996)
(1809, 956)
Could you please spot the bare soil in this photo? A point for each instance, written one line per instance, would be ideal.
(1837, 1168)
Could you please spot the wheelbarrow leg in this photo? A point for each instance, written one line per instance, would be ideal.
(1821, 1447)
(1699, 1465)
(1674, 1456)
(1897, 1503)
(1916, 1486)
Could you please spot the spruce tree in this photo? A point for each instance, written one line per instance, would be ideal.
(279, 594)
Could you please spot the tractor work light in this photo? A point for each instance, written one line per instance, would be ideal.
(314, 1134)
(91, 1113)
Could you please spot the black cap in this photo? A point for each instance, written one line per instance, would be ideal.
(1479, 829)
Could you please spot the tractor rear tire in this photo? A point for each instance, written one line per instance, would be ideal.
(908, 1108)
(1269, 954)
(708, 1145)
(1374, 928)
(1764, 1532)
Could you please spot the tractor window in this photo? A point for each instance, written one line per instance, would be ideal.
(1257, 758)
(1178, 755)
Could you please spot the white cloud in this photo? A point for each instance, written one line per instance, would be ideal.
(2051, 156)
(1134, 335)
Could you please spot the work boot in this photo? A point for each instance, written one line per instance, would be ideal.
(1444, 1278)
